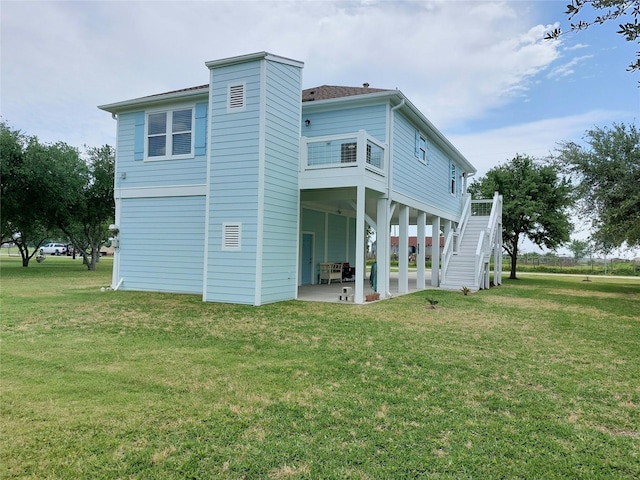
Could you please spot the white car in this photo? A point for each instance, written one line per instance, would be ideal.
(54, 249)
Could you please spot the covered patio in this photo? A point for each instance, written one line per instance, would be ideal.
(330, 293)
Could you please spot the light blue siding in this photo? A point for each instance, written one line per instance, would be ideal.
(254, 181)
(200, 143)
(130, 151)
(233, 185)
(338, 239)
(313, 221)
(139, 139)
(426, 183)
(280, 200)
(337, 246)
(371, 118)
(162, 244)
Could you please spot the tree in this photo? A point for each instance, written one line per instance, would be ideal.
(21, 220)
(48, 189)
(605, 10)
(535, 203)
(86, 223)
(579, 248)
(607, 176)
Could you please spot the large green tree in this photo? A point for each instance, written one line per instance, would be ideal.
(23, 216)
(92, 209)
(49, 190)
(606, 171)
(536, 200)
(601, 11)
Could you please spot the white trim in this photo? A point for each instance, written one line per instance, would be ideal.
(261, 175)
(453, 176)
(155, 100)
(115, 274)
(251, 57)
(169, 133)
(157, 192)
(207, 189)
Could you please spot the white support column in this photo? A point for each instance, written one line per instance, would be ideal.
(435, 252)
(403, 249)
(487, 272)
(361, 265)
(420, 257)
(446, 230)
(382, 246)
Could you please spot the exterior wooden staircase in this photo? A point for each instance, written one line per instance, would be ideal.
(469, 248)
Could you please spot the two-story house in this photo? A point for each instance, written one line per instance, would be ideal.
(241, 188)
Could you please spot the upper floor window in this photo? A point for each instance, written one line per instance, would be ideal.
(453, 178)
(170, 134)
(421, 147)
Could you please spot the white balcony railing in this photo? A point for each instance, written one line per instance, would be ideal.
(343, 151)
(490, 240)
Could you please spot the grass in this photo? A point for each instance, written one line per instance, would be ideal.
(539, 378)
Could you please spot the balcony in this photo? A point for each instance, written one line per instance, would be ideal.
(340, 156)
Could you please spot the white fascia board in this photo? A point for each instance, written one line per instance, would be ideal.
(351, 101)
(252, 57)
(155, 100)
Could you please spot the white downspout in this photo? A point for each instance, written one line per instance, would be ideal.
(383, 273)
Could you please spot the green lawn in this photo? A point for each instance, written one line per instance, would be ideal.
(537, 379)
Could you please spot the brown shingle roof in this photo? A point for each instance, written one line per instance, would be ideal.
(325, 92)
(189, 89)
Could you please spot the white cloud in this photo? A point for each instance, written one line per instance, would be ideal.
(490, 148)
(567, 69)
(455, 60)
(577, 46)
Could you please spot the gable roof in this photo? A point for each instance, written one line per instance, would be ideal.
(326, 92)
(324, 95)
(323, 92)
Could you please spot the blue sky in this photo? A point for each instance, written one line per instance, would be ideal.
(481, 71)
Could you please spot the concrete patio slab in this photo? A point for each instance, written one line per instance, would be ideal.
(331, 293)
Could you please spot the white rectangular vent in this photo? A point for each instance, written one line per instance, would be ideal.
(231, 233)
(236, 96)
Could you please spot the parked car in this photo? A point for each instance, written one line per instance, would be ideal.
(54, 249)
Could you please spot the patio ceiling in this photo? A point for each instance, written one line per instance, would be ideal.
(342, 201)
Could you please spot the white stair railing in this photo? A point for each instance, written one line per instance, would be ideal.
(452, 242)
(486, 242)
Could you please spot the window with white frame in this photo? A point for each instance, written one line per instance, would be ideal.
(169, 134)
(453, 178)
(421, 147)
